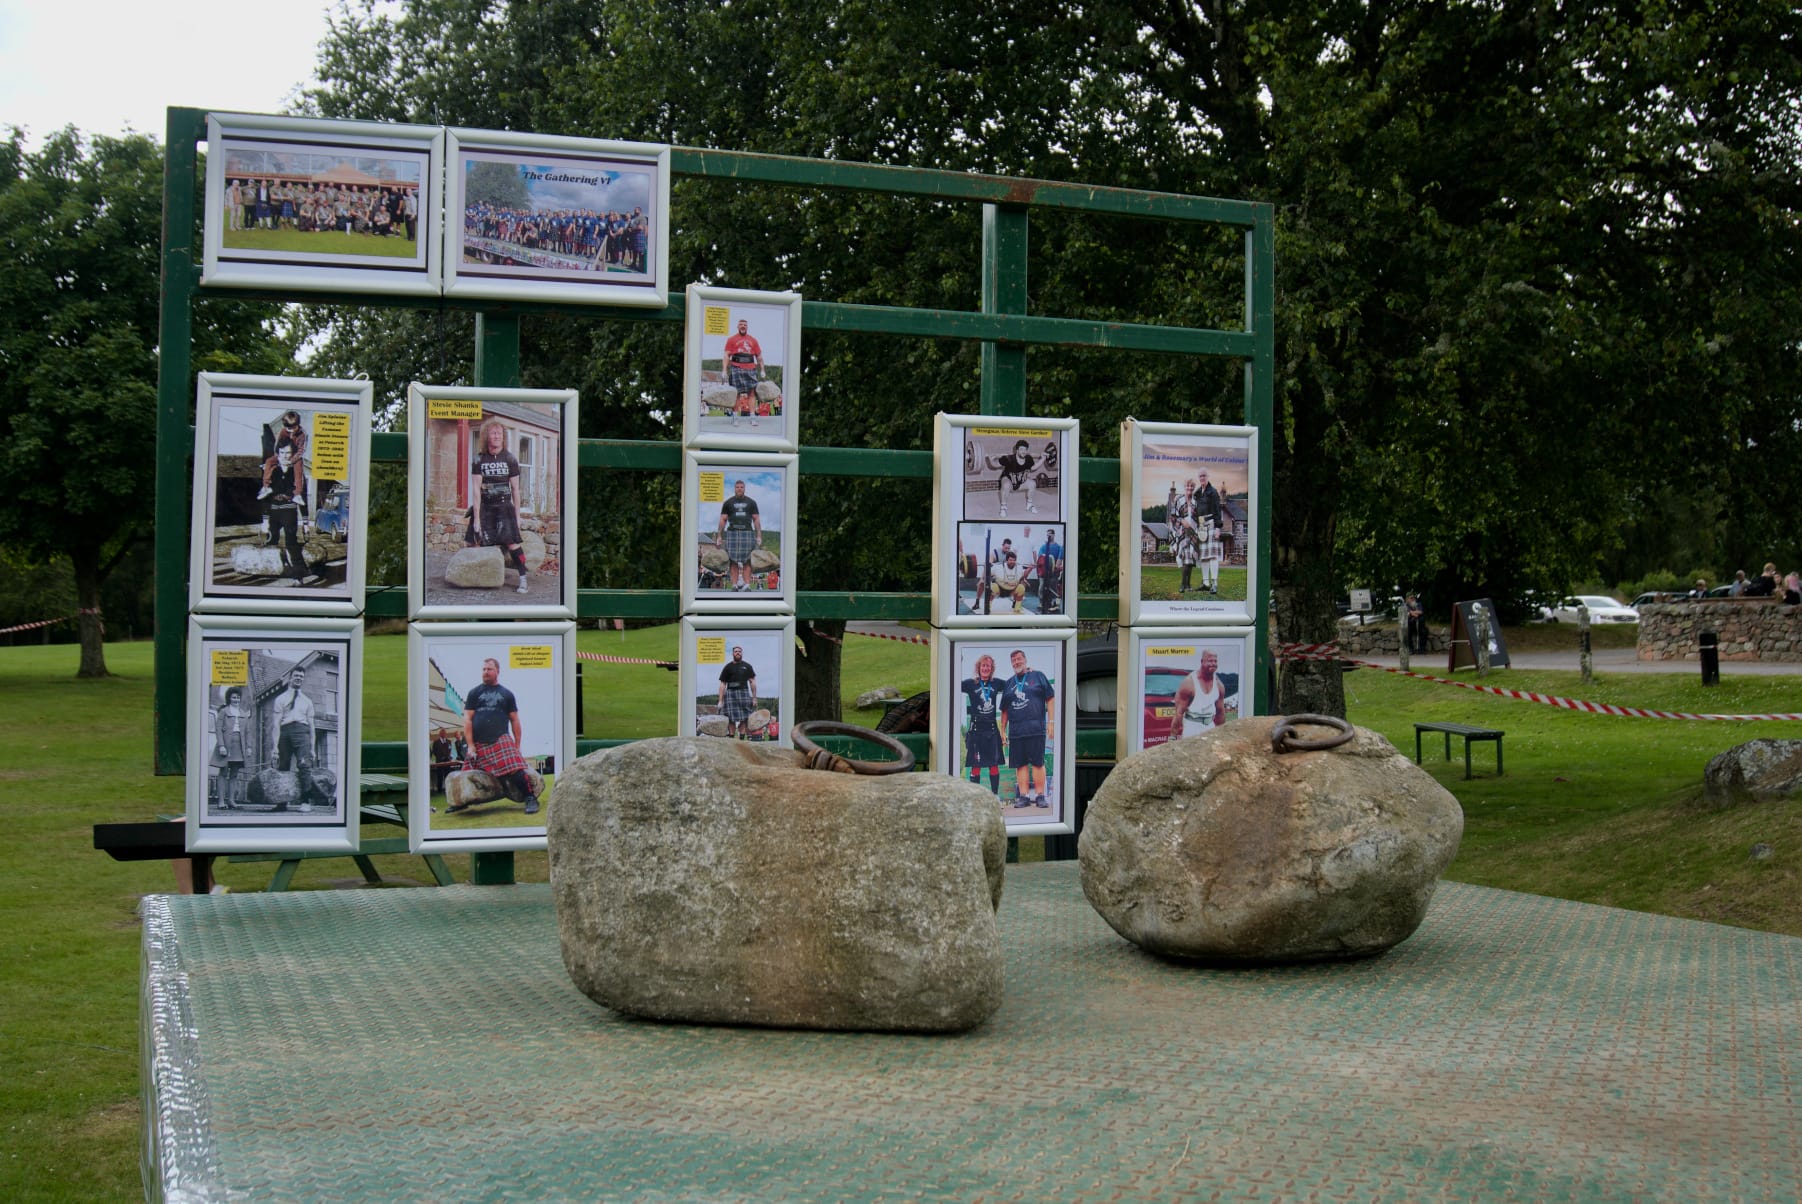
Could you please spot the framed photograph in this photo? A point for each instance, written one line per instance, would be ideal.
(738, 523)
(742, 384)
(738, 678)
(491, 477)
(491, 717)
(1188, 523)
(1002, 713)
(274, 735)
(281, 476)
(540, 218)
(1004, 485)
(301, 203)
(1177, 682)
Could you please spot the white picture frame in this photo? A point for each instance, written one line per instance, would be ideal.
(1158, 461)
(987, 487)
(609, 202)
(709, 569)
(302, 189)
(1156, 663)
(717, 319)
(535, 664)
(710, 643)
(274, 742)
(446, 427)
(956, 657)
(255, 546)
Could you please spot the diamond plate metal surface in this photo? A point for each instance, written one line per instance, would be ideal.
(425, 1045)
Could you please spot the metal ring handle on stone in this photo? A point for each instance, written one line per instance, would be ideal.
(1283, 738)
(815, 757)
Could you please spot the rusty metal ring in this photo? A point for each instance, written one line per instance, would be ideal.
(828, 727)
(1283, 738)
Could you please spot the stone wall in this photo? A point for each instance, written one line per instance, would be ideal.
(1382, 638)
(1750, 629)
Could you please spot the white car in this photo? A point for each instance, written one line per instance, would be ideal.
(1602, 609)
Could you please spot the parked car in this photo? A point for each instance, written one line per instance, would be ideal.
(1602, 609)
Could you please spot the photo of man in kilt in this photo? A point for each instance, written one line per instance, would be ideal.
(738, 693)
(492, 728)
(740, 533)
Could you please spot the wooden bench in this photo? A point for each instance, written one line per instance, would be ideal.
(166, 840)
(1469, 733)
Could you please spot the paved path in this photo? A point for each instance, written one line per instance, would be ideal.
(1607, 660)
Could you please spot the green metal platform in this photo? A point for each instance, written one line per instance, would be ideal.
(427, 1045)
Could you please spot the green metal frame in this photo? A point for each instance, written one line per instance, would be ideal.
(1003, 327)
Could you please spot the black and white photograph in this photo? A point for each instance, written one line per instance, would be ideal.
(1004, 548)
(538, 217)
(296, 202)
(491, 475)
(273, 736)
(738, 550)
(742, 385)
(738, 678)
(1188, 523)
(281, 470)
(491, 718)
(1179, 683)
(999, 705)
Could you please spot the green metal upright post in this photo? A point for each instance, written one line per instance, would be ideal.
(175, 337)
(1260, 411)
(497, 367)
(1003, 292)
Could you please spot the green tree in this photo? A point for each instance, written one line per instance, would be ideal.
(1535, 263)
(81, 224)
(496, 184)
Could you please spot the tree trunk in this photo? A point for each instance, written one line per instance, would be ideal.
(817, 670)
(86, 561)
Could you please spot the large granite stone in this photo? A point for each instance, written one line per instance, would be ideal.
(253, 561)
(1758, 771)
(713, 881)
(476, 568)
(283, 789)
(472, 787)
(1217, 848)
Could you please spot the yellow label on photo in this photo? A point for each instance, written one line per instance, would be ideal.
(713, 487)
(715, 319)
(1012, 432)
(231, 667)
(529, 656)
(1170, 652)
(444, 407)
(329, 452)
(711, 650)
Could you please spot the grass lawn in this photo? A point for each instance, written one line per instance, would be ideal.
(1163, 583)
(320, 242)
(1593, 807)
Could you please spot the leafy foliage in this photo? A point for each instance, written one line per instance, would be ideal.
(81, 224)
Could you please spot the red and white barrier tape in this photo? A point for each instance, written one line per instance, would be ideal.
(1329, 652)
(624, 660)
(40, 623)
(899, 639)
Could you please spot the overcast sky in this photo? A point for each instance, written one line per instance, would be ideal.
(108, 65)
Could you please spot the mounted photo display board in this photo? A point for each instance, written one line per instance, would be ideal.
(1461, 654)
(1177, 683)
(741, 384)
(1188, 511)
(738, 675)
(738, 532)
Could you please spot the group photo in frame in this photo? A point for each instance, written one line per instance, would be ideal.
(491, 721)
(274, 733)
(738, 528)
(281, 483)
(1003, 484)
(1011, 569)
(738, 675)
(491, 477)
(1002, 702)
(1181, 682)
(305, 203)
(1188, 523)
(742, 369)
(535, 217)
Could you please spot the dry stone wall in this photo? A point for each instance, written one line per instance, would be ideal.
(1750, 629)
